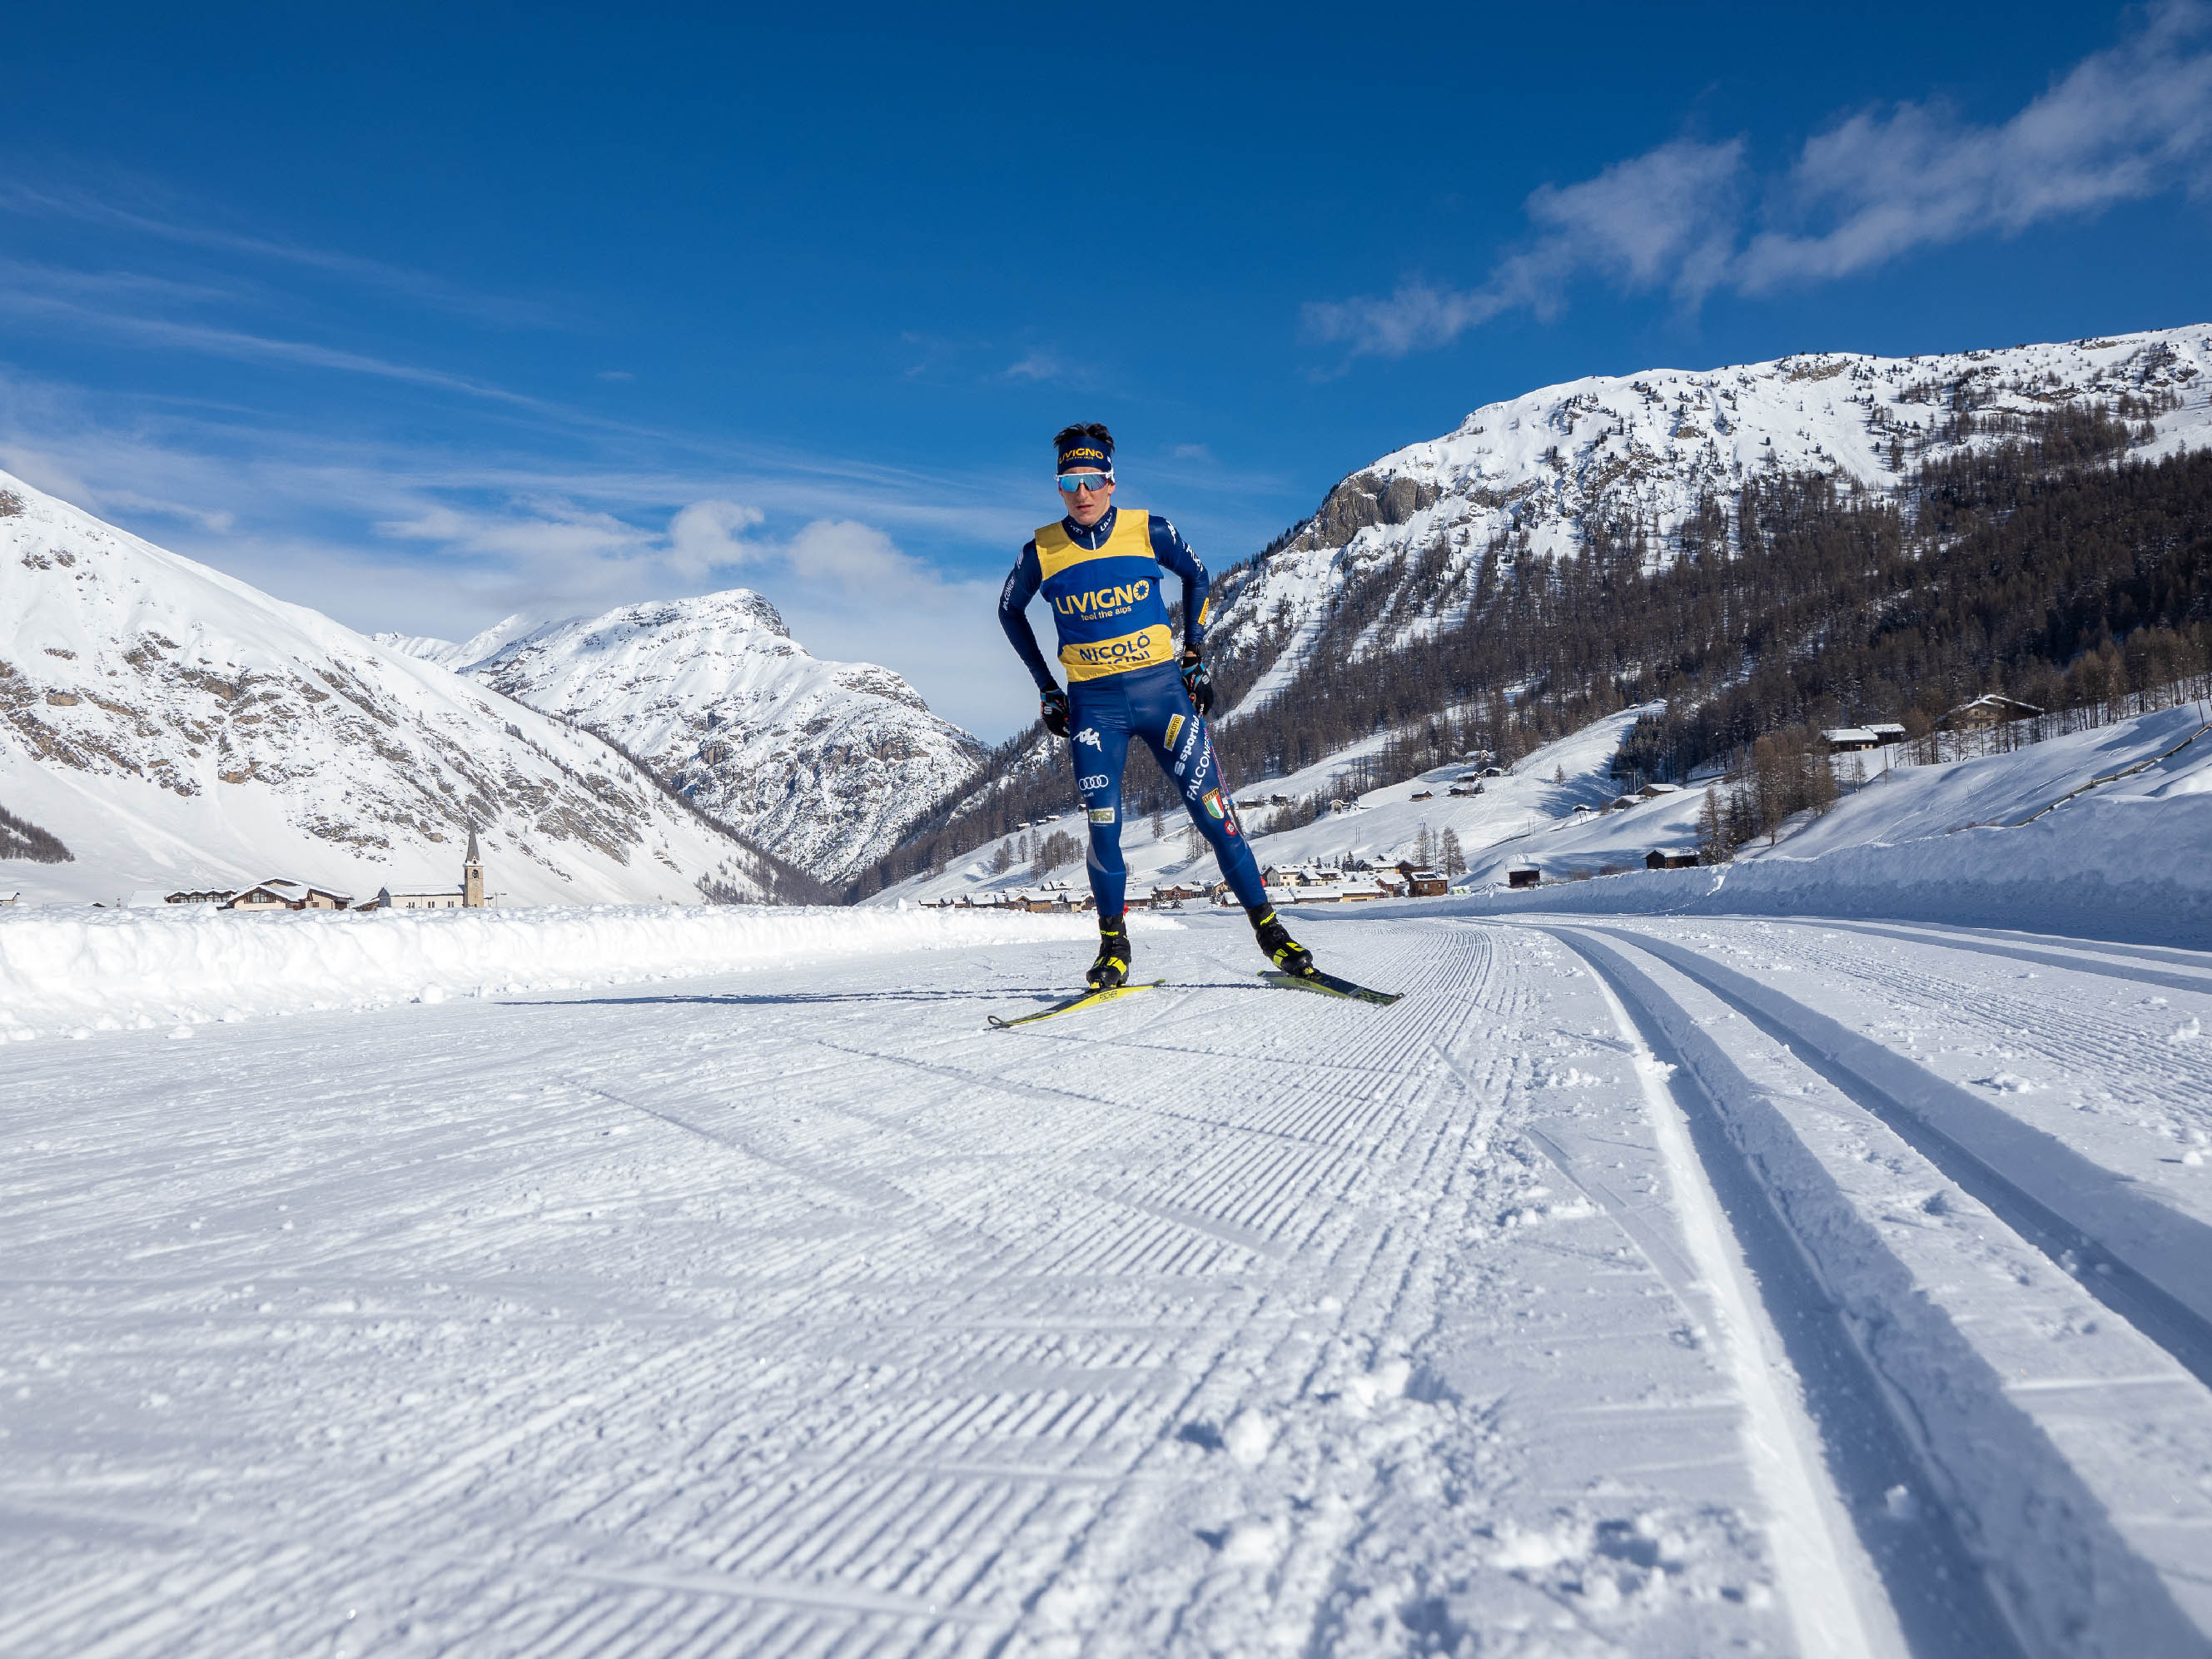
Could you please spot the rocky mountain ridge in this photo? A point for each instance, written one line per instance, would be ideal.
(823, 764)
(176, 728)
(1643, 453)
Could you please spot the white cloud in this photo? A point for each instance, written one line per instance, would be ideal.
(706, 535)
(1037, 366)
(1661, 219)
(2124, 124)
(2132, 122)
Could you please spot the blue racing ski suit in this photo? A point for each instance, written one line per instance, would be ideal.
(1118, 648)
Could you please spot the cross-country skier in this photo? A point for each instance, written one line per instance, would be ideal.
(1100, 567)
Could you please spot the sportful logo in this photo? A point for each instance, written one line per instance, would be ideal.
(1102, 601)
(1182, 759)
(1090, 736)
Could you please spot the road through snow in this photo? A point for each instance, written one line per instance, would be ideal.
(1654, 1285)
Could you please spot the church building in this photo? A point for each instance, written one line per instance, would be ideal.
(469, 896)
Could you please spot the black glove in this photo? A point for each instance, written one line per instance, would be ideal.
(1054, 711)
(1197, 682)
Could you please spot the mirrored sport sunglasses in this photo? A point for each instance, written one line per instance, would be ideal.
(1071, 482)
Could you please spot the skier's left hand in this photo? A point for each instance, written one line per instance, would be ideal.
(1197, 682)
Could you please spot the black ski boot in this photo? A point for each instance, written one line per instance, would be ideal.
(1286, 952)
(1111, 970)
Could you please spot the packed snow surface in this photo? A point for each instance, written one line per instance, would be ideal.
(1663, 1287)
(70, 971)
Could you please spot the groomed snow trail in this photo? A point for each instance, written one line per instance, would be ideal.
(1565, 1308)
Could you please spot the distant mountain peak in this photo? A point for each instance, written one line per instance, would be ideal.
(823, 764)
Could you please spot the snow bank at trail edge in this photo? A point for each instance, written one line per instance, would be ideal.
(71, 974)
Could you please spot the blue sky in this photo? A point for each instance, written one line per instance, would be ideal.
(422, 315)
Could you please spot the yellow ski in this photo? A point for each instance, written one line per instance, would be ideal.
(1088, 1000)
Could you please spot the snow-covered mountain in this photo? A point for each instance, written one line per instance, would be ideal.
(1410, 533)
(174, 726)
(824, 763)
(1644, 452)
(461, 655)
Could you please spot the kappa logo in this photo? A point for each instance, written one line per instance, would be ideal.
(1089, 735)
(1101, 815)
(1091, 782)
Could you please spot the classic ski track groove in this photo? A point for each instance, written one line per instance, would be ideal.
(1965, 1468)
(2155, 1295)
(1949, 1002)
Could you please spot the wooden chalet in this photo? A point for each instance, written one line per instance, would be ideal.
(1523, 875)
(1849, 739)
(1986, 711)
(279, 893)
(1662, 857)
(1422, 883)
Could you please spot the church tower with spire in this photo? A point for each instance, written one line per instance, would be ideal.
(472, 897)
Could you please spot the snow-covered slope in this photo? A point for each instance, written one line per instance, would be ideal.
(824, 763)
(1643, 451)
(1533, 802)
(1965, 841)
(176, 728)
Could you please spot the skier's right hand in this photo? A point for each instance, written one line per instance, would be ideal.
(1054, 711)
